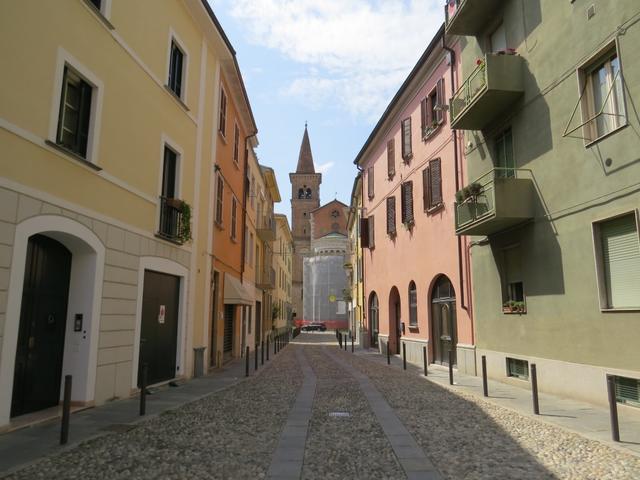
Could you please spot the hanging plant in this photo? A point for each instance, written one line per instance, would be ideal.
(185, 225)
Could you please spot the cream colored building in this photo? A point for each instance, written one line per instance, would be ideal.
(353, 266)
(283, 267)
(109, 135)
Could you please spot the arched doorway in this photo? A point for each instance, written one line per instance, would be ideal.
(374, 318)
(395, 321)
(443, 321)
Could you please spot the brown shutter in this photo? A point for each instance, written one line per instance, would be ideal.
(391, 215)
(364, 233)
(391, 158)
(435, 185)
(407, 202)
(423, 116)
(440, 100)
(370, 182)
(407, 139)
(372, 231)
(425, 189)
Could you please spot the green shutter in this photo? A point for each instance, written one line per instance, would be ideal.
(621, 261)
(628, 390)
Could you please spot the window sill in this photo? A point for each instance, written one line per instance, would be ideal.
(176, 97)
(430, 132)
(435, 209)
(407, 158)
(167, 239)
(522, 379)
(222, 137)
(73, 155)
(219, 225)
(100, 15)
(509, 312)
(606, 135)
(620, 310)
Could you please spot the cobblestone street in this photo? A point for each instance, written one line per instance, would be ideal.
(316, 412)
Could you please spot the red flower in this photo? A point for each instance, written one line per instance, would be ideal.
(479, 61)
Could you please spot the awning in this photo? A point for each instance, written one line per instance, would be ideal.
(235, 293)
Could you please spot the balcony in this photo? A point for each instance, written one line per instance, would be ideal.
(266, 228)
(469, 17)
(266, 279)
(172, 226)
(496, 201)
(495, 84)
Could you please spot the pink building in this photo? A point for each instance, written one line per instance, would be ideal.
(416, 276)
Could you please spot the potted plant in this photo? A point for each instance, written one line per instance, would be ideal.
(475, 189)
(184, 233)
(507, 307)
(173, 203)
(460, 196)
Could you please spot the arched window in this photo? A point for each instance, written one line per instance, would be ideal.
(413, 305)
(308, 193)
(373, 318)
(301, 193)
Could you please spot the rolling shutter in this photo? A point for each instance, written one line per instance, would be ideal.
(621, 259)
(391, 215)
(435, 183)
(407, 202)
(391, 158)
(440, 100)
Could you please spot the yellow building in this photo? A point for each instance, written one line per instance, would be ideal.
(282, 265)
(106, 191)
(354, 266)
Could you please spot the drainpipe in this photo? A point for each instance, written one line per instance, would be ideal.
(366, 340)
(245, 193)
(464, 306)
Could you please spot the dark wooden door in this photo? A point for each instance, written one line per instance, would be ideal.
(227, 341)
(444, 330)
(40, 350)
(159, 332)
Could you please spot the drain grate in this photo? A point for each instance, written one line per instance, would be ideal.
(339, 414)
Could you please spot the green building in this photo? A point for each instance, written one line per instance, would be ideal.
(547, 111)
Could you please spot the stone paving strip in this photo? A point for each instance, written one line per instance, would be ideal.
(286, 462)
(345, 439)
(470, 438)
(230, 434)
(410, 455)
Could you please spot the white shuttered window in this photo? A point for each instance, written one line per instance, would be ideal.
(621, 261)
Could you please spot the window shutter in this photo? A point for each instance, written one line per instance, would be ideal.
(407, 202)
(440, 100)
(425, 189)
(364, 233)
(621, 258)
(370, 182)
(391, 158)
(435, 184)
(391, 215)
(372, 230)
(406, 138)
(423, 116)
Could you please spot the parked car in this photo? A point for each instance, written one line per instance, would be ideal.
(314, 327)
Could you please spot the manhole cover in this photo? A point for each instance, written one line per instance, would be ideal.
(339, 414)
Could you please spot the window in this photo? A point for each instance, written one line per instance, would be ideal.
(432, 185)
(96, 3)
(219, 199)
(391, 158)
(252, 191)
(222, 118)
(406, 139)
(236, 143)
(628, 390)
(75, 113)
(618, 249)
(170, 208)
(513, 286)
(370, 182)
(505, 161)
(234, 213)
(603, 108)
(176, 69)
(391, 216)
(413, 305)
(406, 190)
(517, 368)
(498, 39)
(431, 113)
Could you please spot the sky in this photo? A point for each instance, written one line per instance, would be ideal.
(335, 64)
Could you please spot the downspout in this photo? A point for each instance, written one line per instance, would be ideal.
(464, 306)
(245, 190)
(365, 341)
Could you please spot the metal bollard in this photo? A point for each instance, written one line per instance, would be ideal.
(340, 340)
(485, 385)
(66, 410)
(267, 349)
(534, 389)
(388, 354)
(262, 352)
(613, 408)
(143, 389)
(246, 363)
(255, 366)
(450, 367)
(404, 356)
(352, 348)
(345, 342)
(424, 360)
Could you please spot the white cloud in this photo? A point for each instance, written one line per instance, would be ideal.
(323, 167)
(356, 53)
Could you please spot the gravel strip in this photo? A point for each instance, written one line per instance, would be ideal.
(344, 447)
(229, 434)
(467, 437)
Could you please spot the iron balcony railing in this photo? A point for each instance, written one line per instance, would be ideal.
(479, 200)
(472, 86)
(266, 227)
(266, 279)
(171, 219)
